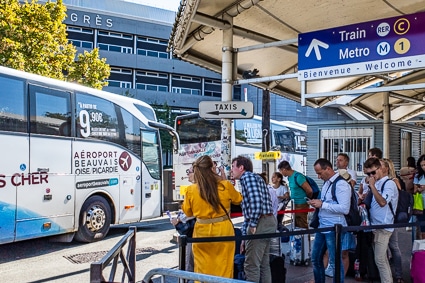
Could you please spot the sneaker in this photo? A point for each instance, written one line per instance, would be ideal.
(329, 271)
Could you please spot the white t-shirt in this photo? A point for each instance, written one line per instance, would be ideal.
(383, 215)
(275, 200)
(281, 191)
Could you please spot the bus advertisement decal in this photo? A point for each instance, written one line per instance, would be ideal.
(96, 183)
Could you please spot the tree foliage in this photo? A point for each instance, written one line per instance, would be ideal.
(33, 39)
(90, 70)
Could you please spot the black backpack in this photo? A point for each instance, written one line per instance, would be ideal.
(404, 205)
(353, 217)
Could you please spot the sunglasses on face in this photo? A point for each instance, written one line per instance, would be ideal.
(371, 173)
(189, 171)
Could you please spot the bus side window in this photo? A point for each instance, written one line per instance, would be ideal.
(50, 108)
(96, 118)
(65, 128)
(286, 140)
(13, 117)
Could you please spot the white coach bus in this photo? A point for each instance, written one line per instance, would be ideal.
(74, 160)
(203, 137)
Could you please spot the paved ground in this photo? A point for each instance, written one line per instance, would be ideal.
(301, 274)
(40, 261)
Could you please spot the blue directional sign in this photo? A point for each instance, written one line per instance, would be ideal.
(379, 46)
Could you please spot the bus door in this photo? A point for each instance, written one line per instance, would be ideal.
(45, 195)
(151, 174)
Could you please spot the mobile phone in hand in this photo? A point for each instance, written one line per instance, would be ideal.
(307, 199)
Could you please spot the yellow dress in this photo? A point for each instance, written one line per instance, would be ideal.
(213, 258)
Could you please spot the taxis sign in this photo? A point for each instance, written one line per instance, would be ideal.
(267, 155)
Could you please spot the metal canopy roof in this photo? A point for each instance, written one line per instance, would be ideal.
(197, 37)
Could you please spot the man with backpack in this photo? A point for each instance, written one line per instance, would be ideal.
(382, 193)
(334, 204)
(300, 189)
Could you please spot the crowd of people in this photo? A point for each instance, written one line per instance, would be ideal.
(211, 195)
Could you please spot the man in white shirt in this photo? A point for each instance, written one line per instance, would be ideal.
(380, 213)
(331, 212)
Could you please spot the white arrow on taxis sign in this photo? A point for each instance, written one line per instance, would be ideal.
(315, 44)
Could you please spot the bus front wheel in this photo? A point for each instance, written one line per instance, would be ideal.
(94, 221)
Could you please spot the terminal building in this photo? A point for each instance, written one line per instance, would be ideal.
(134, 39)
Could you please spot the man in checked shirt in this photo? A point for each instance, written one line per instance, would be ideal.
(258, 219)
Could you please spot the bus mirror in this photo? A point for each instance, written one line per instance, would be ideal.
(171, 131)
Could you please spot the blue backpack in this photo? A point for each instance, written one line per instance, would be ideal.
(312, 183)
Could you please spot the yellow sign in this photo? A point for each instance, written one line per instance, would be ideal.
(267, 155)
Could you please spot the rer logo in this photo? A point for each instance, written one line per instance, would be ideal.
(125, 161)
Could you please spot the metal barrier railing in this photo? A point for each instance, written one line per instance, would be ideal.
(338, 229)
(128, 260)
(188, 276)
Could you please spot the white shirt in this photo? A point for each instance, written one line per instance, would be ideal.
(332, 212)
(275, 200)
(281, 191)
(383, 215)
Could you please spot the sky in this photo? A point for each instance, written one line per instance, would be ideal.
(172, 5)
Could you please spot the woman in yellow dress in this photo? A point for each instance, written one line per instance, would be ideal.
(202, 200)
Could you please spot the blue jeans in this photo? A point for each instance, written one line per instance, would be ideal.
(323, 242)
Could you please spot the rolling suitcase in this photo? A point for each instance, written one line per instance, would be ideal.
(277, 261)
(299, 249)
(277, 268)
(416, 266)
(299, 245)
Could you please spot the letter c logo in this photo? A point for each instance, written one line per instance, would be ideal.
(401, 26)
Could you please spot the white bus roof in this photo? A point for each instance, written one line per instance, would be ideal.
(124, 101)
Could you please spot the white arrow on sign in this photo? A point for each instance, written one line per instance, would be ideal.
(315, 44)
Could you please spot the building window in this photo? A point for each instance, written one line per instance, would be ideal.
(120, 84)
(212, 93)
(121, 71)
(151, 87)
(152, 74)
(353, 141)
(115, 34)
(80, 43)
(186, 90)
(152, 40)
(186, 78)
(152, 53)
(79, 29)
(115, 48)
(212, 82)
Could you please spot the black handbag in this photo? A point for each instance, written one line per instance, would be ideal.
(186, 228)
